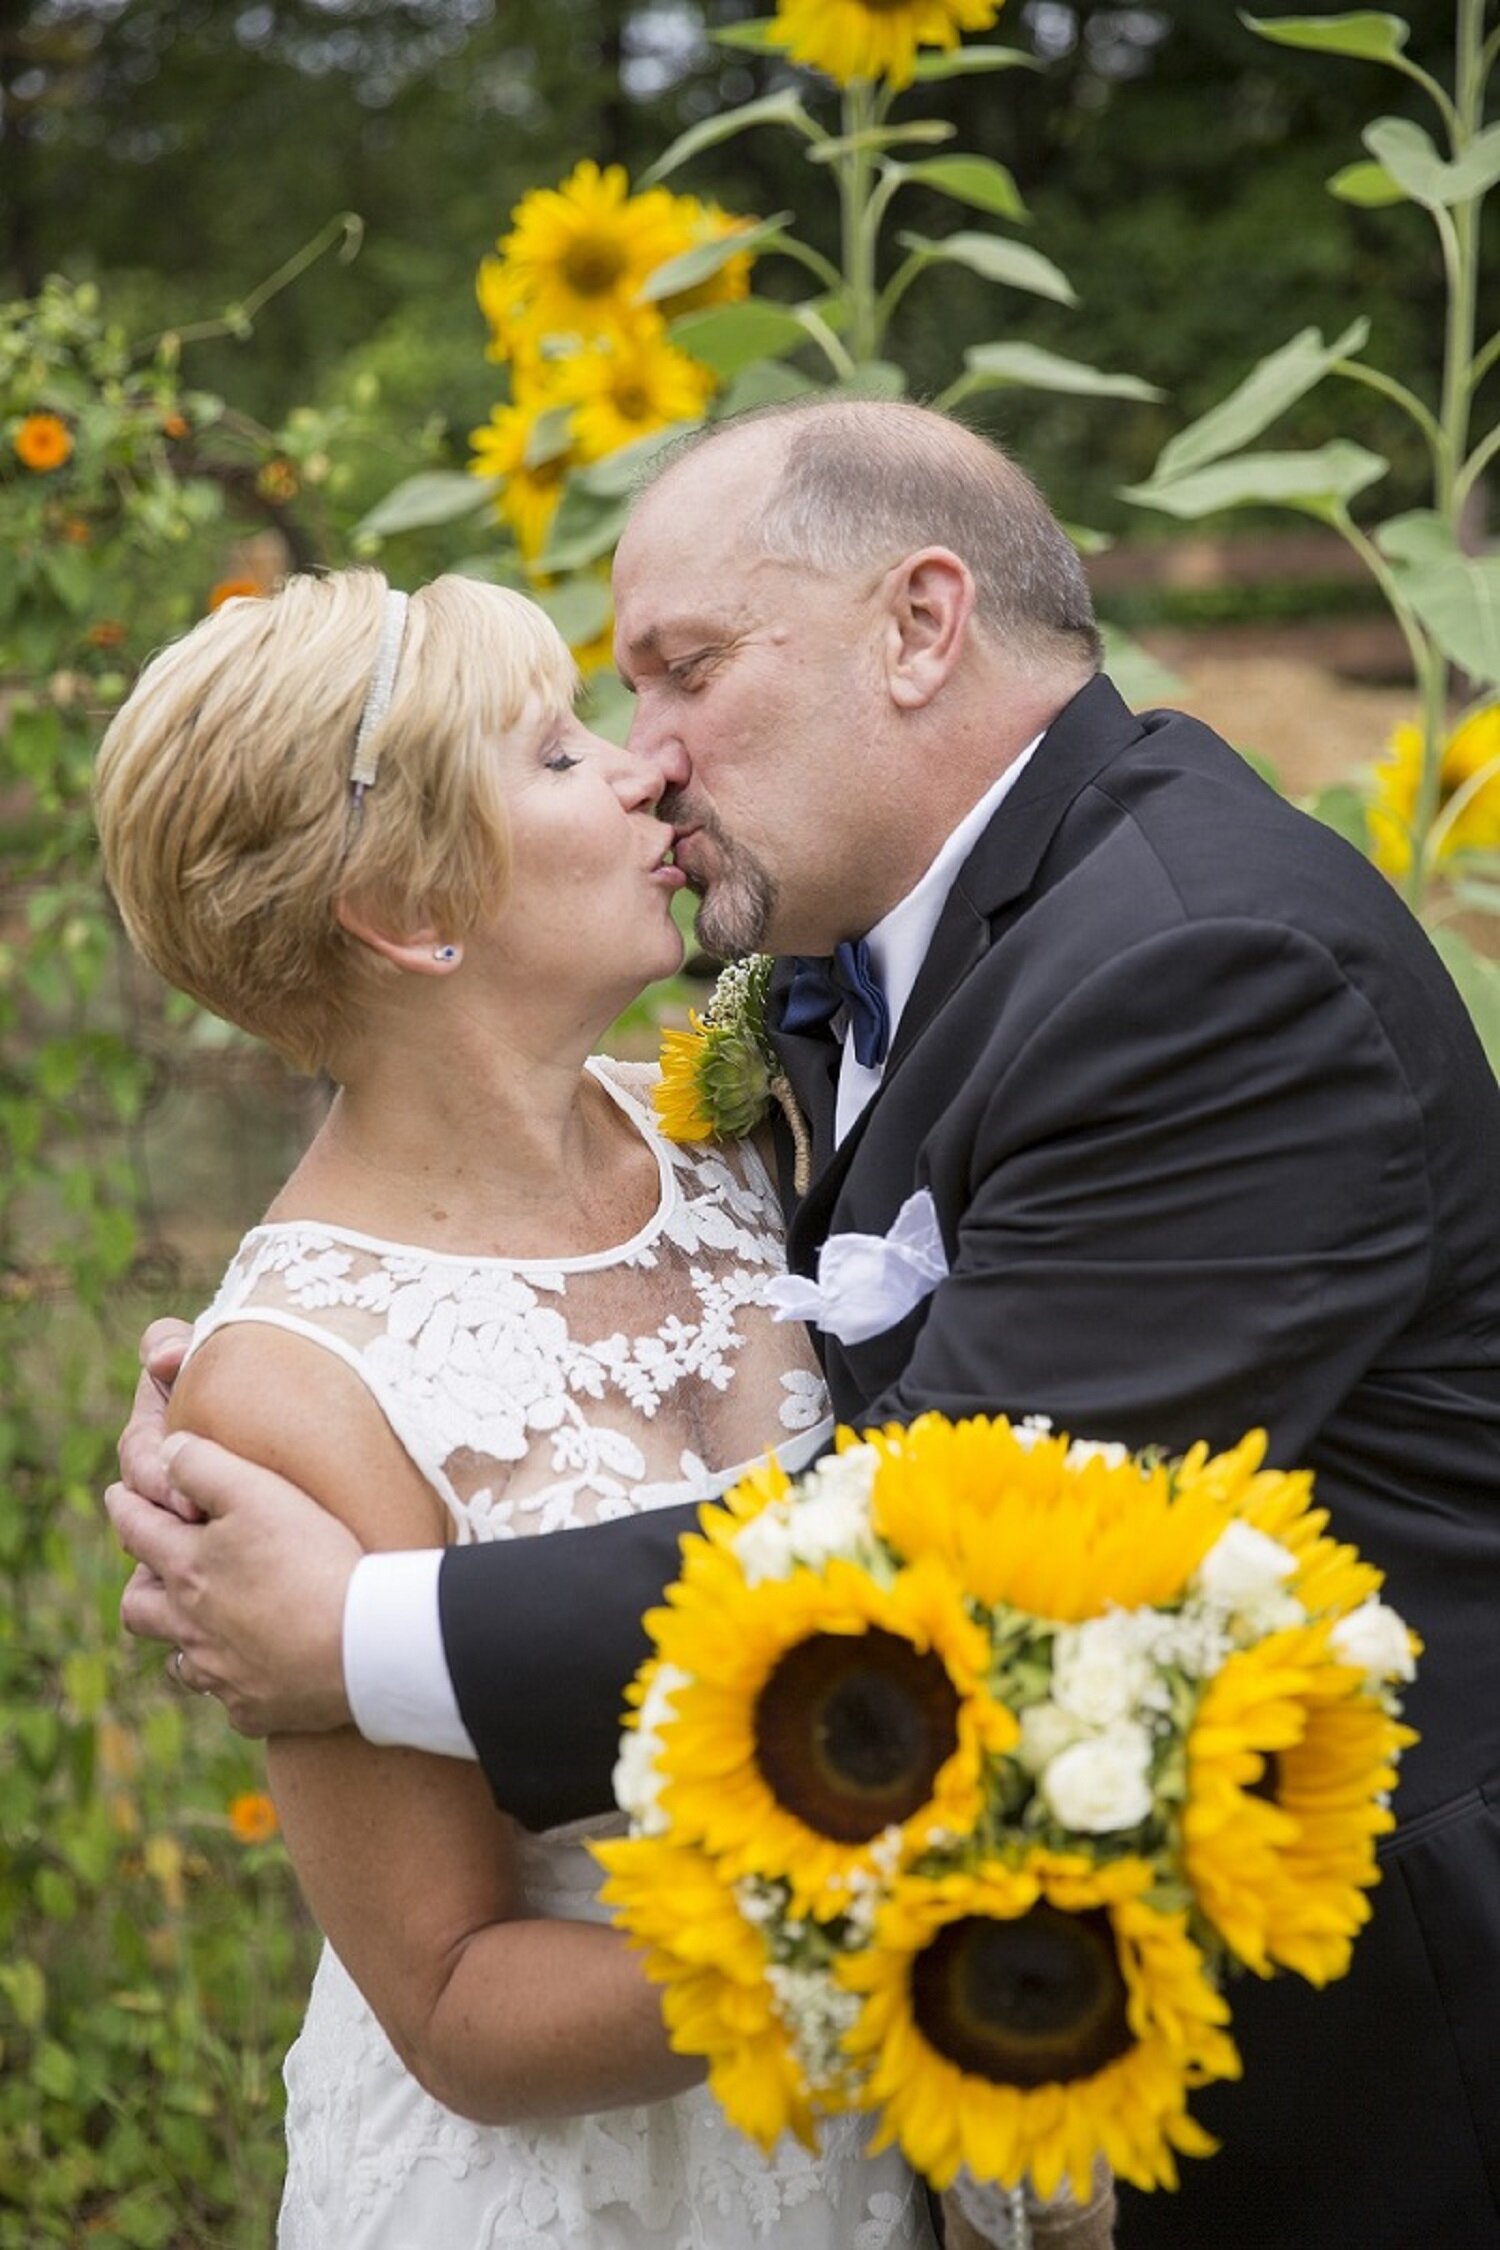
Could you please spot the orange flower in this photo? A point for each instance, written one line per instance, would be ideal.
(234, 590)
(277, 482)
(252, 1817)
(74, 531)
(174, 426)
(43, 442)
(108, 632)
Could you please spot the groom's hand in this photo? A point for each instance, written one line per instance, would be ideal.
(242, 1572)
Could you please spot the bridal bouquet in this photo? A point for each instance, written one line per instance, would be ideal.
(968, 1763)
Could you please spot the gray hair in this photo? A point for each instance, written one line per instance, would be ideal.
(865, 481)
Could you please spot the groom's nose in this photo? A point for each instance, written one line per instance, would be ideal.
(659, 747)
(642, 779)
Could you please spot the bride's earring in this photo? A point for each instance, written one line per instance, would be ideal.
(447, 953)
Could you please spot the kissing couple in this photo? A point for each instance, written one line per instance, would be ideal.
(1203, 1127)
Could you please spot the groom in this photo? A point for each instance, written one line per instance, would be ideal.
(1211, 1143)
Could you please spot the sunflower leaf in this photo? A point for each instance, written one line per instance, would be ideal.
(758, 37)
(962, 62)
(729, 337)
(705, 259)
(1478, 981)
(1411, 158)
(991, 366)
(923, 132)
(1320, 483)
(1012, 263)
(976, 180)
(585, 527)
(1457, 599)
(1267, 391)
(614, 478)
(1370, 186)
(1366, 35)
(436, 496)
(781, 108)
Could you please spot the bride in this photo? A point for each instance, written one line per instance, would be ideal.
(490, 1303)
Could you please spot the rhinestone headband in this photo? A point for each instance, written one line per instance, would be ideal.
(378, 694)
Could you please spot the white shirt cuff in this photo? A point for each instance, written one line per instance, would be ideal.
(395, 1669)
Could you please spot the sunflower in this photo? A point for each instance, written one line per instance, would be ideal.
(577, 255)
(679, 1097)
(1020, 1523)
(1289, 1763)
(851, 39)
(1468, 751)
(719, 1076)
(43, 442)
(627, 386)
(528, 498)
(823, 1711)
(717, 2001)
(1023, 2019)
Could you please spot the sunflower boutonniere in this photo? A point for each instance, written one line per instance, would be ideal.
(720, 1076)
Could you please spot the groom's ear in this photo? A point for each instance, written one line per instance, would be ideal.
(416, 950)
(930, 597)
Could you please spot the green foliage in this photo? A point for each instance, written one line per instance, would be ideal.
(149, 1963)
(1445, 600)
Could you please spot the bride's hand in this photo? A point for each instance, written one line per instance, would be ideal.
(162, 1350)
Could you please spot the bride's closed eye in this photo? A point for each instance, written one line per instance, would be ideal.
(560, 761)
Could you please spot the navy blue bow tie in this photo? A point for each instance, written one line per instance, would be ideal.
(819, 988)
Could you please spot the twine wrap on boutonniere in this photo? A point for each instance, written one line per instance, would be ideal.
(720, 1076)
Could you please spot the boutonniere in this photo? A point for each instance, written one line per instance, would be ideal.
(720, 1076)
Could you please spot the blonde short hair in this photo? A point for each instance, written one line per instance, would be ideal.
(222, 792)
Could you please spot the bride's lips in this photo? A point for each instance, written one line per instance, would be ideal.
(666, 872)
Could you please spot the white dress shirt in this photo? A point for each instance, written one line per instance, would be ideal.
(395, 1671)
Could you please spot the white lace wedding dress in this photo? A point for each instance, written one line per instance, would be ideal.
(537, 1396)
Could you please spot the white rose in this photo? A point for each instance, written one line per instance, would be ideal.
(764, 1545)
(833, 1517)
(1100, 1671)
(637, 1782)
(1244, 1568)
(1102, 1784)
(1046, 1730)
(1376, 1639)
(1108, 1450)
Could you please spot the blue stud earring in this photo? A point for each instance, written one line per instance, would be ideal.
(445, 953)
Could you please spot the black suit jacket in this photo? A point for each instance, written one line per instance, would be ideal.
(1213, 1145)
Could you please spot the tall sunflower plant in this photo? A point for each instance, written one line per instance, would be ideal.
(968, 1769)
(1429, 811)
(623, 316)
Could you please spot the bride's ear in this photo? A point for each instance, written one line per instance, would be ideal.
(423, 952)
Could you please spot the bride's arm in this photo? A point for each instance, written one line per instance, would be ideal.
(405, 1862)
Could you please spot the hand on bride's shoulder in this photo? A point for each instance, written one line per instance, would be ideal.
(289, 1406)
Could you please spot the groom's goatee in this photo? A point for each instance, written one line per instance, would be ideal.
(738, 901)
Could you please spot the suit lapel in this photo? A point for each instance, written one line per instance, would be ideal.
(998, 875)
(1000, 871)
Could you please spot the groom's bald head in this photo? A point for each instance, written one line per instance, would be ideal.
(849, 485)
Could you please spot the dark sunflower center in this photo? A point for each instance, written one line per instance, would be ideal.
(1032, 2002)
(632, 401)
(593, 264)
(1268, 1782)
(851, 1730)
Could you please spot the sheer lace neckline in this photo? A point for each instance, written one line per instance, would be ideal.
(582, 1261)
